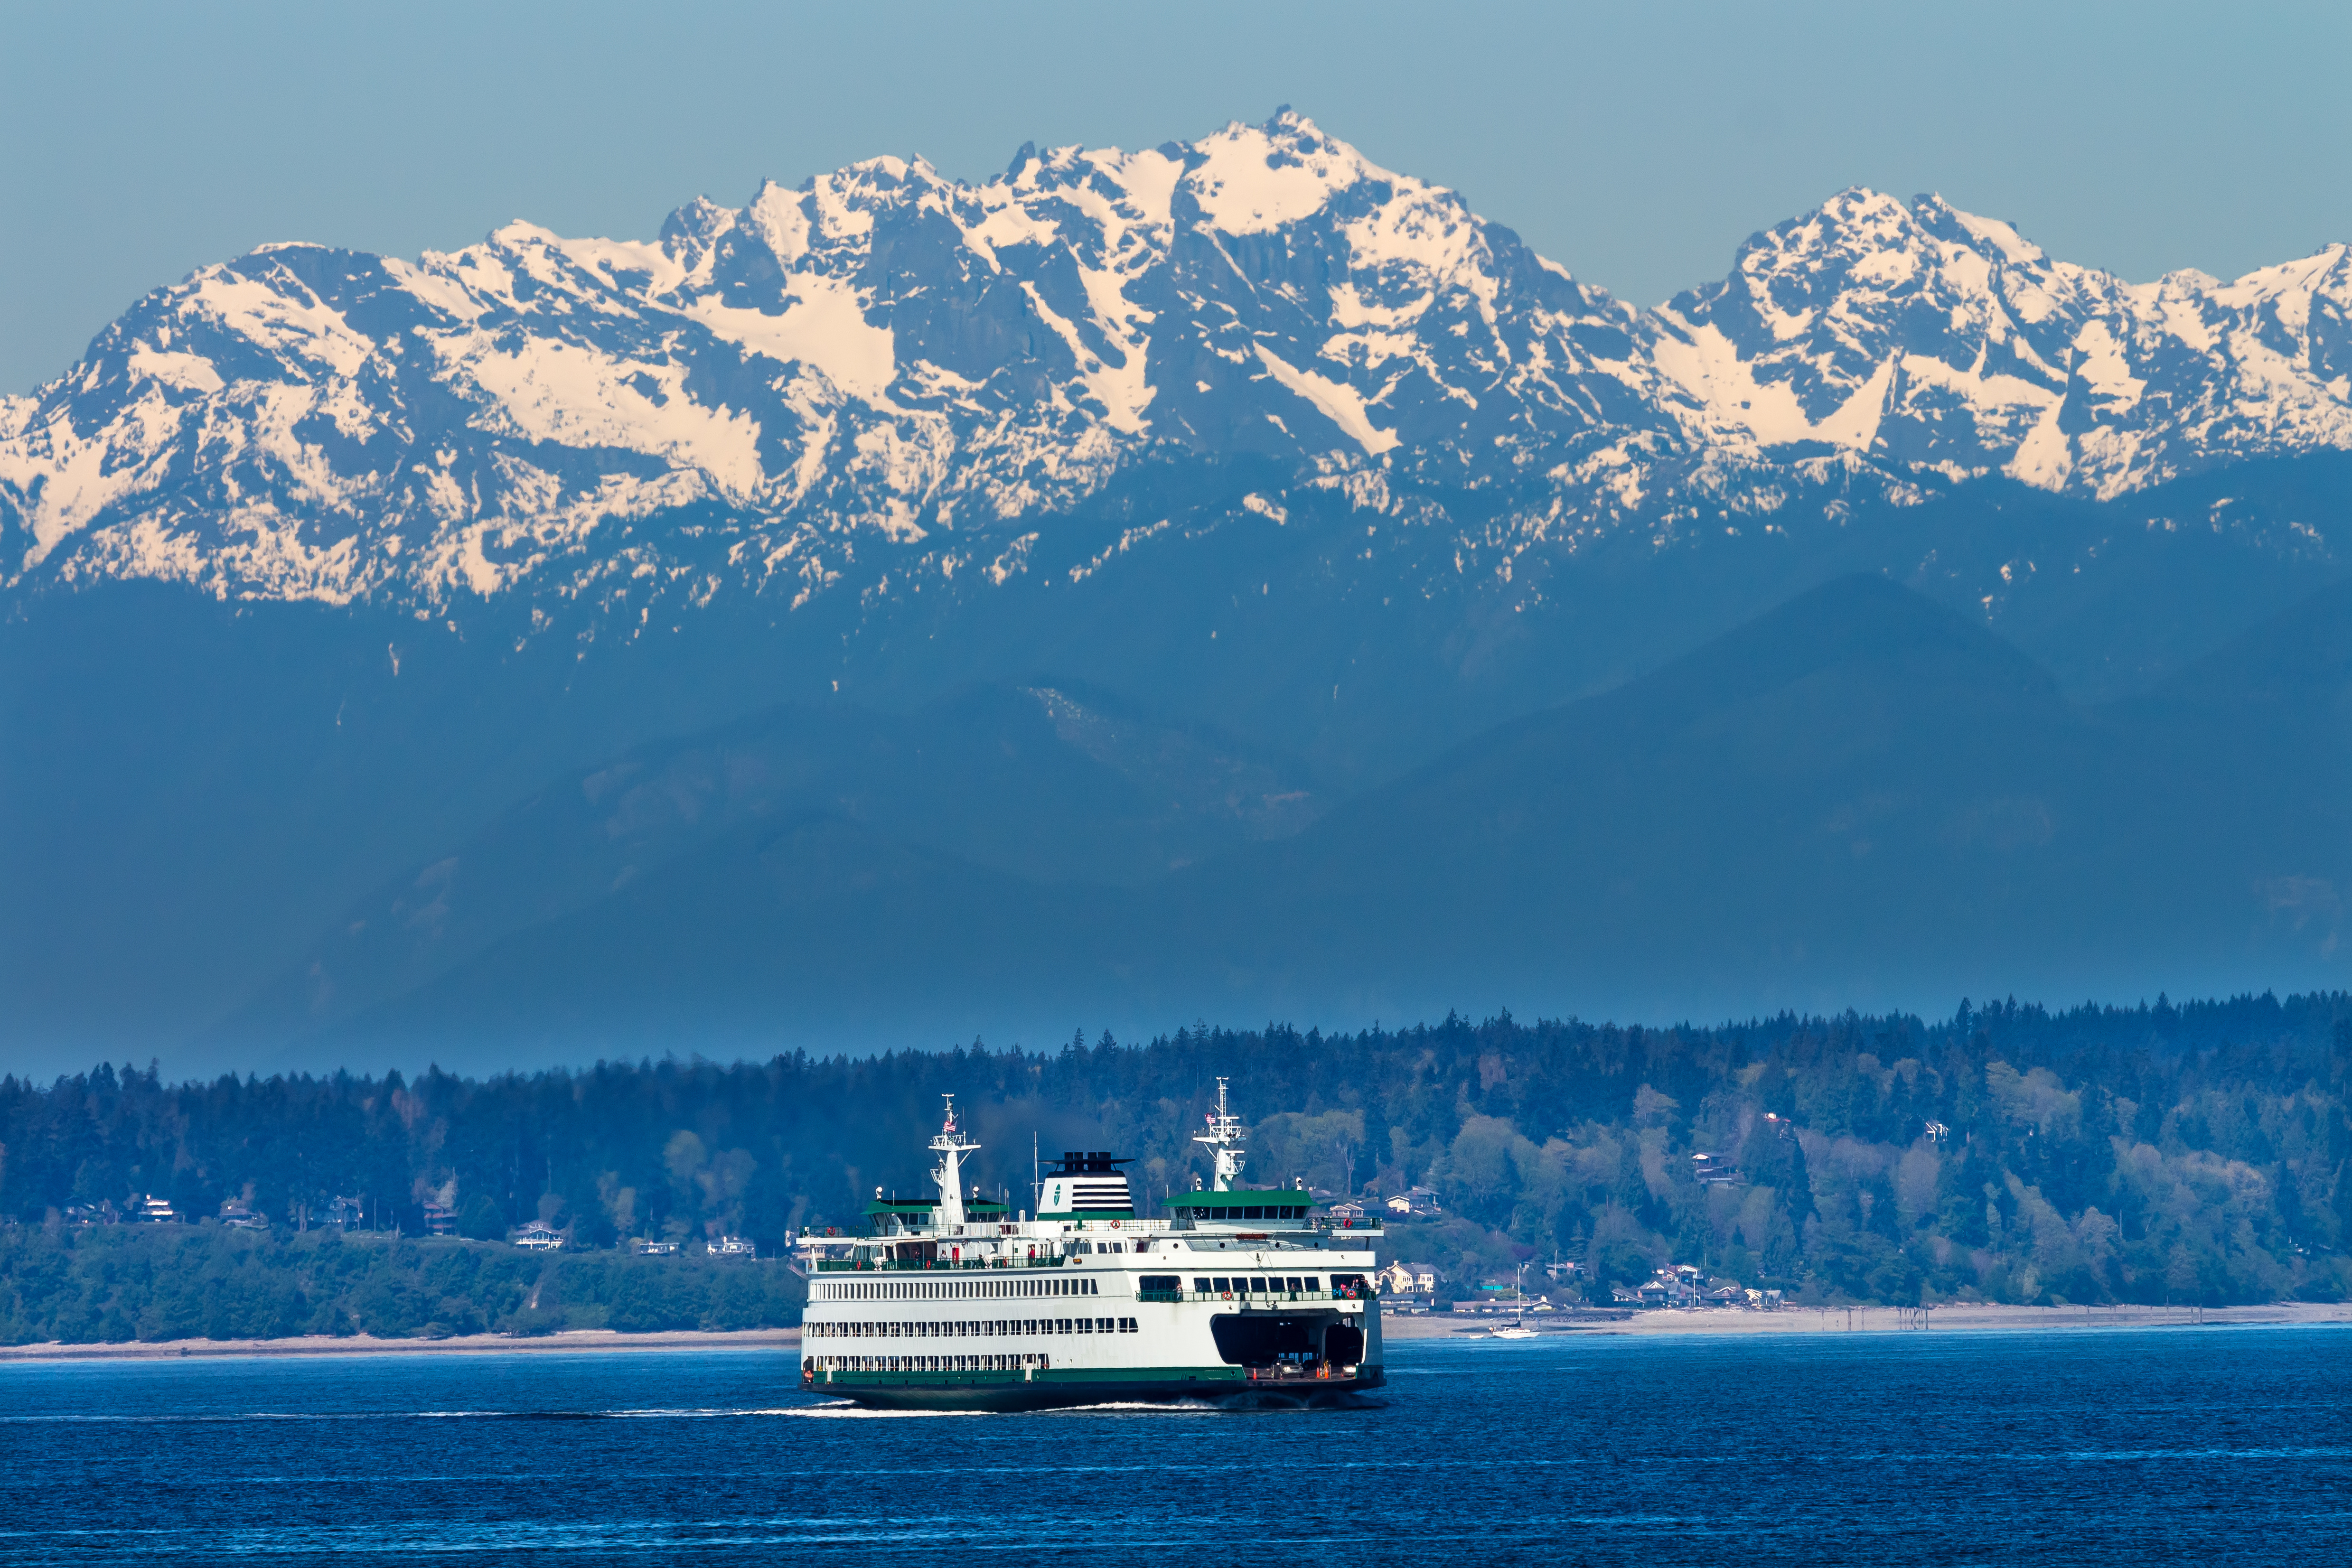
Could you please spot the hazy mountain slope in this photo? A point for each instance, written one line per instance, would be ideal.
(1057, 785)
(1856, 797)
(1859, 795)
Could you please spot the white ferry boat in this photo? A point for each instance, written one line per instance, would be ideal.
(951, 1304)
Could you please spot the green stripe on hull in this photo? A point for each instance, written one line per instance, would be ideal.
(1076, 1385)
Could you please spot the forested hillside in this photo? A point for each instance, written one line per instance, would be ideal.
(111, 1284)
(2198, 1153)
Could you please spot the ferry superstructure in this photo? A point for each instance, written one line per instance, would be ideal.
(949, 1303)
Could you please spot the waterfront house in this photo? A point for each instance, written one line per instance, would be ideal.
(731, 1247)
(539, 1237)
(345, 1214)
(646, 1247)
(1401, 1279)
(440, 1218)
(238, 1215)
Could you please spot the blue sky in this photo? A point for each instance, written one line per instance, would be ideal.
(1637, 145)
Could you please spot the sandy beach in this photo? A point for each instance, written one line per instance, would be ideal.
(1880, 1320)
(368, 1344)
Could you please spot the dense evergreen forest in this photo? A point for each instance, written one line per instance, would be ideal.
(2198, 1153)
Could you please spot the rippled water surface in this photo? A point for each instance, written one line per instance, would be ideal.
(2213, 1445)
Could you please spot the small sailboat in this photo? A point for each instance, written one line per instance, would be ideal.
(1518, 1327)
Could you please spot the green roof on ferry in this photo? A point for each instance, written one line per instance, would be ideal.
(976, 1208)
(1287, 1198)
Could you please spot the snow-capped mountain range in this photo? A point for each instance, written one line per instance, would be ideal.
(889, 375)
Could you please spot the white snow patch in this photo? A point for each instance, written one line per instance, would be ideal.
(1251, 183)
(188, 372)
(578, 396)
(823, 327)
(2045, 457)
(779, 217)
(1342, 404)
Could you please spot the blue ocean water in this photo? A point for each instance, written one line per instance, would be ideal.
(2212, 1445)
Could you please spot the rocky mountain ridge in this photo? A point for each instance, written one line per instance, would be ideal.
(887, 381)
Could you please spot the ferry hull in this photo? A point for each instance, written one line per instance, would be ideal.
(1062, 1390)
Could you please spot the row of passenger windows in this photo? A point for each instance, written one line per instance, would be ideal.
(821, 1330)
(1256, 1285)
(955, 1289)
(1042, 1362)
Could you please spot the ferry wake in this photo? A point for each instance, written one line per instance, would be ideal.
(951, 1304)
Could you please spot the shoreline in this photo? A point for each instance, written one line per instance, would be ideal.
(1436, 1326)
(1971, 1318)
(368, 1344)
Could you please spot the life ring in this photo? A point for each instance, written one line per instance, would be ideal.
(1114, 1225)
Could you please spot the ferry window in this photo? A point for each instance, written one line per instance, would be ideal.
(1294, 1285)
(1201, 1285)
(1224, 1284)
(1311, 1284)
(1103, 1325)
(1259, 1286)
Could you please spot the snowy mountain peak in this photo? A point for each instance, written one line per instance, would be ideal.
(1930, 338)
(884, 371)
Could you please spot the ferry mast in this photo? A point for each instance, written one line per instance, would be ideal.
(1223, 1140)
(950, 1146)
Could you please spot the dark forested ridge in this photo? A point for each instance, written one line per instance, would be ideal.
(2198, 1153)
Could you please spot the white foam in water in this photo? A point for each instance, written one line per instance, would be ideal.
(1189, 1407)
(845, 1409)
